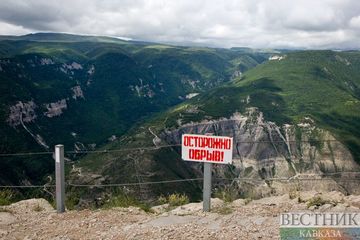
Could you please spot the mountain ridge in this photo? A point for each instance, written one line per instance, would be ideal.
(303, 105)
(84, 94)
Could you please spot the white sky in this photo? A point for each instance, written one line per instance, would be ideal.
(221, 23)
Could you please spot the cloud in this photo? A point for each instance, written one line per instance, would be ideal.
(10, 29)
(252, 23)
(355, 22)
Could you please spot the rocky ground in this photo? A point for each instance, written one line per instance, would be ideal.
(241, 219)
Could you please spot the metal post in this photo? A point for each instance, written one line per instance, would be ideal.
(207, 187)
(60, 178)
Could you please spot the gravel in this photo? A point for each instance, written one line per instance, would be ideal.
(258, 219)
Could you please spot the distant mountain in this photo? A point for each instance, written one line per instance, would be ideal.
(84, 91)
(296, 116)
(61, 37)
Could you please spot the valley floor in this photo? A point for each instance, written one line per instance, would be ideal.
(257, 219)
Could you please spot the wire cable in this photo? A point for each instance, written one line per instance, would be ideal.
(26, 186)
(135, 184)
(154, 148)
(186, 180)
(24, 154)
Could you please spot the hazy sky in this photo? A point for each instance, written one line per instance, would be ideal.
(223, 23)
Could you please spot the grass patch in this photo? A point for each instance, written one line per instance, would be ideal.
(123, 200)
(225, 209)
(174, 200)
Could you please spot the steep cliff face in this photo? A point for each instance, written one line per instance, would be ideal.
(276, 155)
(268, 159)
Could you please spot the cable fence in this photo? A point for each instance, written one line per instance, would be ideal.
(182, 180)
(112, 158)
(131, 171)
(150, 148)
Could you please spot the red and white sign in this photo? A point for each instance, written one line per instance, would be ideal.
(211, 149)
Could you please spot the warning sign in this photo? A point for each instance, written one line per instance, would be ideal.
(201, 148)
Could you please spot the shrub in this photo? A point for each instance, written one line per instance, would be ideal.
(227, 194)
(6, 197)
(175, 199)
(316, 201)
(247, 200)
(300, 200)
(162, 200)
(293, 194)
(71, 202)
(38, 208)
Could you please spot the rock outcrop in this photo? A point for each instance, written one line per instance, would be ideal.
(55, 108)
(68, 68)
(267, 153)
(46, 61)
(77, 92)
(22, 112)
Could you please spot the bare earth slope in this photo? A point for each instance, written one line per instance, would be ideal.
(258, 219)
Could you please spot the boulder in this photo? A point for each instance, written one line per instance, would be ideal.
(31, 205)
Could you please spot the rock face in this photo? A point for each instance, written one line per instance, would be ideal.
(22, 112)
(191, 95)
(77, 92)
(236, 74)
(276, 57)
(46, 61)
(142, 90)
(264, 151)
(68, 68)
(91, 71)
(56, 108)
